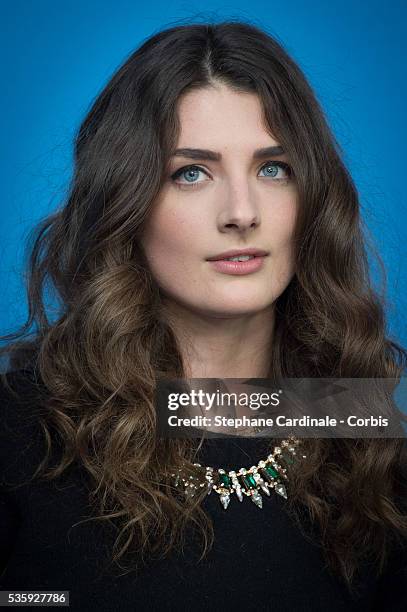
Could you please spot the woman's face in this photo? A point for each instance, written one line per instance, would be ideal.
(237, 201)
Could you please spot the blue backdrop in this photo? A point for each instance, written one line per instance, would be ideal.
(58, 55)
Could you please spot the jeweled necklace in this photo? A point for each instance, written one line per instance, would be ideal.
(268, 474)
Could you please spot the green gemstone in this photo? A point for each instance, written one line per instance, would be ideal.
(287, 458)
(224, 479)
(249, 481)
(272, 471)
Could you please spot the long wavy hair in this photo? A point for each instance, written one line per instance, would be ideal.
(101, 353)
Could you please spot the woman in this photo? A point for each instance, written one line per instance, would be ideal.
(207, 142)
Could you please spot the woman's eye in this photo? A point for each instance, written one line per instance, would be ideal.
(280, 171)
(276, 170)
(190, 173)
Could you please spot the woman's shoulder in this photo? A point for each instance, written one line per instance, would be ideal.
(22, 441)
(20, 387)
(21, 397)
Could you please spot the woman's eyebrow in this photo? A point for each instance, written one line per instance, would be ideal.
(208, 155)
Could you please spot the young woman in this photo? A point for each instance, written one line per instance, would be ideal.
(206, 144)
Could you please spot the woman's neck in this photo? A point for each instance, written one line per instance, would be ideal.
(215, 347)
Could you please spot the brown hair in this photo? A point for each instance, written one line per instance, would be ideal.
(100, 356)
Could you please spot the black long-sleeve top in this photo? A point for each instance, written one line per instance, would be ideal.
(260, 560)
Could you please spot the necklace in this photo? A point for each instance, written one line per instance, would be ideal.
(268, 474)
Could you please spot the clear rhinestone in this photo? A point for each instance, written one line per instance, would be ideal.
(257, 499)
(224, 499)
(280, 489)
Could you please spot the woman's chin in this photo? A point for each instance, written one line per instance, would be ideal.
(232, 309)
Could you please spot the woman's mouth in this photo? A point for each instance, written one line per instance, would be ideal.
(240, 264)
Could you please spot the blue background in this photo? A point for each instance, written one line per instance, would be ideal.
(58, 55)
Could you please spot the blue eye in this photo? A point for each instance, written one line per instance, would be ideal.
(191, 173)
(273, 169)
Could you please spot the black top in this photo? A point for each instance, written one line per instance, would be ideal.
(260, 559)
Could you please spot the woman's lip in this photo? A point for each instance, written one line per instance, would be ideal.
(238, 267)
(236, 253)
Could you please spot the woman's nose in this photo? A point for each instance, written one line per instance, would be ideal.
(240, 211)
